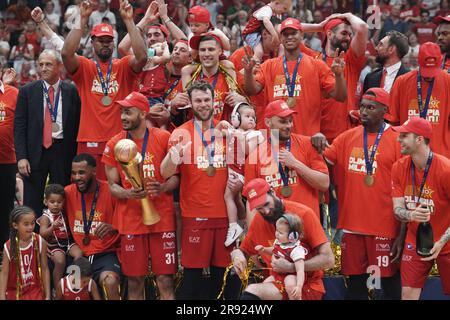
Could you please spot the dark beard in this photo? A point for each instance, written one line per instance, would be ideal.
(104, 57)
(381, 60)
(88, 186)
(276, 212)
(335, 44)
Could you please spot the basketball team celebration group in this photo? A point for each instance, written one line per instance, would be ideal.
(196, 158)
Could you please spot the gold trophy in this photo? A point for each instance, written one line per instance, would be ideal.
(129, 158)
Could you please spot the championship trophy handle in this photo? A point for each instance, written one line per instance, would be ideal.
(149, 214)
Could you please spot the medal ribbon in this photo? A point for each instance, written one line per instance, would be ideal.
(369, 161)
(425, 175)
(291, 84)
(172, 86)
(87, 224)
(283, 172)
(52, 109)
(105, 84)
(144, 144)
(209, 151)
(423, 110)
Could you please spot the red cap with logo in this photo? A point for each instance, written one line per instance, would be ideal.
(416, 125)
(194, 43)
(290, 23)
(430, 59)
(102, 29)
(278, 108)
(256, 192)
(442, 19)
(199, 14)
(378, 95)
(137, 100)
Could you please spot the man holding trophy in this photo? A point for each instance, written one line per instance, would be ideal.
(145, 215)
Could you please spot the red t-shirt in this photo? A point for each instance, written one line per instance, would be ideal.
(128, 214)
(414, 11)
(201, 195)
(425, 32)
(70, 293)
(261, 232)
(364, 209)
(153, 82)
(99, 123)
(8, 100)
(403, 105)
(313, 77)
(436, 194)
(335, 119)
(261, 164)
(104, 212)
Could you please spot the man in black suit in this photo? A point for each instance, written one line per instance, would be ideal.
(390, 51)
(45, 129)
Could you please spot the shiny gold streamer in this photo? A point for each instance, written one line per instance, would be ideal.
(39, 266)
(244, 278)
(105, 290)
(18, 269)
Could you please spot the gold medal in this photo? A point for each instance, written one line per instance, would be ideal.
(55, 127)
(369, 180)
(286, 191)
(106, 101)
(211, 171)
(291, 102)
(86, 240)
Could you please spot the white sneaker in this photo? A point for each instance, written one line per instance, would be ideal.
(234, 231)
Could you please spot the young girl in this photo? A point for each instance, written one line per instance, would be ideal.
(261, 19)
(25, 274)
(289, 231)
(78, 285)
(245, 140)
(53, 229)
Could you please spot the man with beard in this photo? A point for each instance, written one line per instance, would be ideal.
(371, 234)
(46, 124)
(90, 208)
(298, 79)
(288, 162)
(103, 80)
(262, 232)
(425, 93)
(443, 40)
(421, 193)
(198, 155)
(348, 34)
(390, 52)
(140, 241)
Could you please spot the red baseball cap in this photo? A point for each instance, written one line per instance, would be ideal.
(194, 43)
(256, 192)
(416, 125)
(278, 108)
(381, 96)
(102, 29)
(199, 14)
(162, 28)
(291, 23)
(137, 100)
(442, 19)
(430, 59)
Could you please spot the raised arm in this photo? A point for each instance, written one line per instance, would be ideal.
(68, 52)
(252, 86)
(174, 31)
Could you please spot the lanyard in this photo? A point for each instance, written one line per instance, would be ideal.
(172, 86)
(52, 109)
(283, 172)
(291, 83)
(369, 161)
(425, 174)
(423, 110)
(213, 138)
(213, 85)
(87, 224)
(144, 144)
(105, 84)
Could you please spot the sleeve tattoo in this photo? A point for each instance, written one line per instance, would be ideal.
(402, 214)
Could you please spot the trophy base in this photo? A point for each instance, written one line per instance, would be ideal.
(423, 252)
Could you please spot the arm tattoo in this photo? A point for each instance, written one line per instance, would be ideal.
(402, 214)
(446, 236)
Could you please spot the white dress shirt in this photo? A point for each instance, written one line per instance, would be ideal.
(390, 76)
(59, 133)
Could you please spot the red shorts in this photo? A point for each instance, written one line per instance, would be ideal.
(34, 293)
(95, 149)
(202, 243)
(414, 272)
(135, 251)
(358, 252)
(307, 292)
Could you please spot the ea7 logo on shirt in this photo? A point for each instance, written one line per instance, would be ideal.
(129, 248)
(382, 247)
(194, 239)
(169, 245)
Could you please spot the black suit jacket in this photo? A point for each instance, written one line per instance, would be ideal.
(29, 123)
(373, 79)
